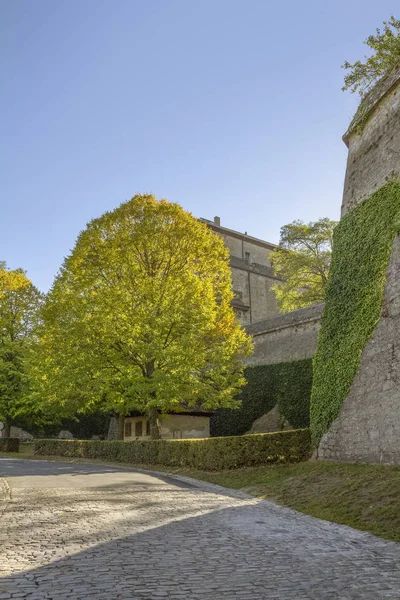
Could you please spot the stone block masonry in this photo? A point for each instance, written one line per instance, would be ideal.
(287, 337)
(368, 426)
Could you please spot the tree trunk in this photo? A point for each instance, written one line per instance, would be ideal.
(113, 428)
(155, 432)
(121, 424)
(7, 428)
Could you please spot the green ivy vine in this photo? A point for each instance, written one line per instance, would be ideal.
(362, 245)
(286, 384)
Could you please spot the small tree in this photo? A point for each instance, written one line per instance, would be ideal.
(19, 304)
(385, 57)
(140, 317)
(302, 261)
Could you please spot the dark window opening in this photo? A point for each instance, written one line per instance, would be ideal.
(148, 427)
(128, 429)
(139, 428)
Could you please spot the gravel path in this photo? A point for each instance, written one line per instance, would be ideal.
(80, 531)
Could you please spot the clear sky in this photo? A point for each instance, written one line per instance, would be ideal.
(229, 107)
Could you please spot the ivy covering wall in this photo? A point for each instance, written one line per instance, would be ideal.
(361, 249)
(286, 384)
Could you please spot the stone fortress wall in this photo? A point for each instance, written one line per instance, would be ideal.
(287, 337)
(368, 426)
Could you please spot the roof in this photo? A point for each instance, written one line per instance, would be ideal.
(194, 411)
(238, 234)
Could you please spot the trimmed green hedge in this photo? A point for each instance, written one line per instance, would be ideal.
(286, 384)
(9, 444)
(210, 454)
(362, 245)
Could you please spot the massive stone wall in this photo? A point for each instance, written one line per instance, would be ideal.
(287, 337)
(368, 426)
(373, 139)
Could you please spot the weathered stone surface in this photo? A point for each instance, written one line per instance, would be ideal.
(83, 532)
(368, 426)
(252, 274)
(286, 337)
(271, 421)
(374, 155)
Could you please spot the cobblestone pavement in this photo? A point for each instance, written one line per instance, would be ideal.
(86, 531)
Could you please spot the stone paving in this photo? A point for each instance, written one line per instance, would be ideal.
(85, 531)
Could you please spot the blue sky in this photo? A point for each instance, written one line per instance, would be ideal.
(231, 108)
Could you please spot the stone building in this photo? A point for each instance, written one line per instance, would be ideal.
(194, 423)
(252, 274)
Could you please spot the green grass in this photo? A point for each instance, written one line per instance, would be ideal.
(366, 497)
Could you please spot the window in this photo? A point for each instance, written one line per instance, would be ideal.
(177, 434)
(139, 428)
(148, 427)
(128, 429)
(247, 257)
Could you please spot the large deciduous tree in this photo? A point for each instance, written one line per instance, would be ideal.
(19, 304)
(302, 261)
(385, 56)
(140, 317)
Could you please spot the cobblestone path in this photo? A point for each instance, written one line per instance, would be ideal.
(86, 531)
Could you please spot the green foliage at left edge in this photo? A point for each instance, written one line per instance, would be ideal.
(361, 249)
(286, 384)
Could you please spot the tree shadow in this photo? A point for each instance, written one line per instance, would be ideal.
(236, 552)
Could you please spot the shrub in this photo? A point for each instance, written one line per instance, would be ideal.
(9, 444)
(286, 384)
(210, 454)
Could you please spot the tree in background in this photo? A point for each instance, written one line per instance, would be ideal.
(140, 317)
(385, 46)
(302, 261)
(19, 304)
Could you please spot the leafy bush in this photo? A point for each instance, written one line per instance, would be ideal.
(288, 384)
(9, 444)
(362, 245)
(210, 454)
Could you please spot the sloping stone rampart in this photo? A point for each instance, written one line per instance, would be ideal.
(368, 426)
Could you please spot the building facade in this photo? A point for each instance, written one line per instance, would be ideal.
(191, 424)
(252, 274)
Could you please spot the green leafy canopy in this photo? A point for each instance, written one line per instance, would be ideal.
(302, 261)
(140, 316)
(385, 56)
(19, 305)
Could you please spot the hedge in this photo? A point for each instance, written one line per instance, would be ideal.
(210, 454)
(9, 444)
(286, 384)
(362, 244)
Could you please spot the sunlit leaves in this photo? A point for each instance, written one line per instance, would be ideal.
(302, 261)
(140, 315)
(385, 56)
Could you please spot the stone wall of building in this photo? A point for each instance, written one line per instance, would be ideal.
(183, 426)
(287, 337)
(368, 426)
(252, 274)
